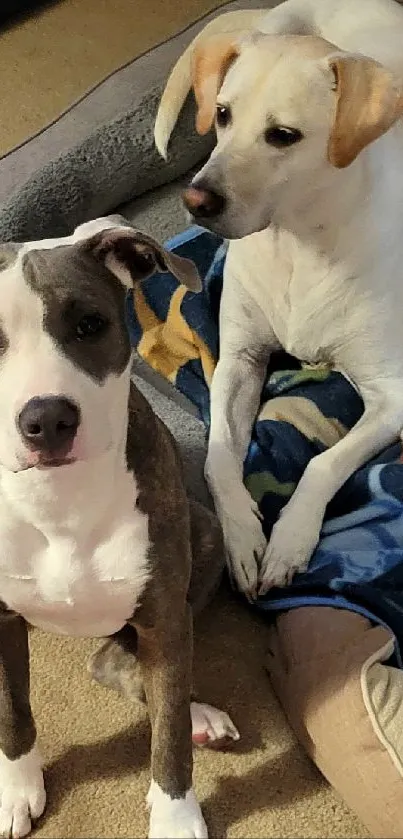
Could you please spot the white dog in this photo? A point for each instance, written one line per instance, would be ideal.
(307, 180)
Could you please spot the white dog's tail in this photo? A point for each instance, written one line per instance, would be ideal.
(180, 80)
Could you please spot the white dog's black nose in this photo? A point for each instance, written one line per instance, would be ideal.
(202, 202)
(49, 423)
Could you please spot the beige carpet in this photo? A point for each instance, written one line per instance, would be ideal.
(97, 745)
(50, 60)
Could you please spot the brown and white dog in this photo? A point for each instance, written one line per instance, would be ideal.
(96, 530)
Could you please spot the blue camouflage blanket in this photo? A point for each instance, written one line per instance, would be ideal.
(358, 563)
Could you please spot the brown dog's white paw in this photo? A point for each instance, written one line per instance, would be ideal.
(176, 818)
(211, 728)
(22, 792)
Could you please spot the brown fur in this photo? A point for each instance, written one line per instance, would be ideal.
(368, 104)
(17, 727)
(210, 64)
(115, 664)
(164, 622)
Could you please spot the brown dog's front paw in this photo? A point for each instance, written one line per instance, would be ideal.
(23, 796)
(176, 818)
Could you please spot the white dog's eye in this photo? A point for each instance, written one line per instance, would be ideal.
(281, 136)
(223, 116)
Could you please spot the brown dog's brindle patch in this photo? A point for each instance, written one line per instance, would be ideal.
(73, 285)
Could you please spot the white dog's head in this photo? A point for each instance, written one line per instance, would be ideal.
(65, 354)
(290, 112)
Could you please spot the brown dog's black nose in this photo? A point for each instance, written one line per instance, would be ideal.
(48, 423)
(202, 202)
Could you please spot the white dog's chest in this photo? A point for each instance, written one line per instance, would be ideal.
(317, 312)
(61, 586)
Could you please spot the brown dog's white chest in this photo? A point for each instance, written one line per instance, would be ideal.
(72, 586)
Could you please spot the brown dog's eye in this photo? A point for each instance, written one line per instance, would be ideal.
(281, 136)
(90, 326)
(223, 116)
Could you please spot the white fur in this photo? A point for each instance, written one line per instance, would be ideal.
(22, 793)
(319, 270)
(210, 725)
(77, 563)
(176, 818)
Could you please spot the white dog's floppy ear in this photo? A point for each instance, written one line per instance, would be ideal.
(210, 62)
(369, 101)
(133, 256)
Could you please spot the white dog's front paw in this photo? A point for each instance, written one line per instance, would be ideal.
(211, 727)
(22, 791)
(174, 818)
(290, 548)
(245, 542)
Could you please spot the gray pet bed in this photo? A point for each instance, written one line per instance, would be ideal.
(100, 153)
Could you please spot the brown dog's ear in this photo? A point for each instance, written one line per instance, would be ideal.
(210, 63)
(369, 101)
(133, 256)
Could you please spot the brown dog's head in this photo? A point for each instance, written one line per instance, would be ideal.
(64, 344)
